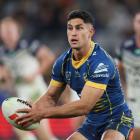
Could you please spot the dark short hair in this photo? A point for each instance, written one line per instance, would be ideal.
(84, 15)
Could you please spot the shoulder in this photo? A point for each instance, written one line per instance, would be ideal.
(58, 67)
(101, 60)
(99, 55)
(63, 57)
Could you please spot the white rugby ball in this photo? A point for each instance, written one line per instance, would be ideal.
(9, 108)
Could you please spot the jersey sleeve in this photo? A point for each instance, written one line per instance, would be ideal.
(99, 76)
(57, 76)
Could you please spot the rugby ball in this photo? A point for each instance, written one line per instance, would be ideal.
(9, 108)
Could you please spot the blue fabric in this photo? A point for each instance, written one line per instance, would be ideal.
(122, 123)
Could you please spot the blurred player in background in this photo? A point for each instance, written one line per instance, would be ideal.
(129, 66)
(6, 90)
(6, 81)
(42, 53)
(27, 72)
(91, 72)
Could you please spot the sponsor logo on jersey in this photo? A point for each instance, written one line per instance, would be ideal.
(100, 75)
(101, 68)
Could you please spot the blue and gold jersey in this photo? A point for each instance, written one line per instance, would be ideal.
(96, 69)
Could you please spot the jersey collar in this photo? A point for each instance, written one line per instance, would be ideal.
(77, 64)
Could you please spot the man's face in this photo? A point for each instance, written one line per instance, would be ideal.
(79, 33)
(137, 24)
(9, 33)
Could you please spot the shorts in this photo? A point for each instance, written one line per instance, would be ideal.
(124, 125)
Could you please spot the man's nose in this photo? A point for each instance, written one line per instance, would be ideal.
(74, 32)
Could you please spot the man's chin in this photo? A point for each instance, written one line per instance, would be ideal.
(75, 47)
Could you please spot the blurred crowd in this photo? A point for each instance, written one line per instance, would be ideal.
(46, 20)
(33, 34)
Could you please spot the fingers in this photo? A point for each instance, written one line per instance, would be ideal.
(25, 122)
(25, 118)
(24, 110)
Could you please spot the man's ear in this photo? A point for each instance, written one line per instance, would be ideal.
(92, 31)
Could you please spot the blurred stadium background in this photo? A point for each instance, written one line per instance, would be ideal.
(45, 20)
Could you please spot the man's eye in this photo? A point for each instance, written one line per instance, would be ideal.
(79, 28)
(69, 28)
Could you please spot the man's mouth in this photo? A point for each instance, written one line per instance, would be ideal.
(74, 41)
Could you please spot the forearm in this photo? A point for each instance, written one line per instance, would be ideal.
(50, 98)
(45, 100)
(69, 110)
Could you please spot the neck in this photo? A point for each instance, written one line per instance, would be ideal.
(78, 54)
